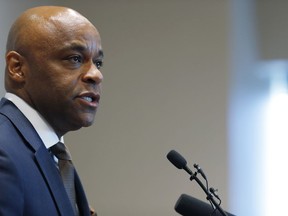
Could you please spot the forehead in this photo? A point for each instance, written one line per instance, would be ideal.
(91, 47)
(68, 32)
(80, 38)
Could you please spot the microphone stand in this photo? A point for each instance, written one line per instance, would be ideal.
(177, 160)
(209, 196)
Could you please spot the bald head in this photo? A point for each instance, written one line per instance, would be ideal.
(40, 29)
(53, 62)
(39, 22)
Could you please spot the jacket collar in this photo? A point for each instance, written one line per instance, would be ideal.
(42, 156)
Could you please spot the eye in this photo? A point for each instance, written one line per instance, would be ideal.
(75, 59)
(98, 63)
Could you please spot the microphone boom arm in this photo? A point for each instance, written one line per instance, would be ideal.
(209, 195)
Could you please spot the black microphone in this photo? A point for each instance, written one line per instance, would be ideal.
(178, 161)
(190, 206)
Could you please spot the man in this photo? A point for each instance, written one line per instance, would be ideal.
(53, 82)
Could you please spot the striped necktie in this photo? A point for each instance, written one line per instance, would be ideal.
(67, 171)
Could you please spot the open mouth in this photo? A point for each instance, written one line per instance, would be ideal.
(91, 98)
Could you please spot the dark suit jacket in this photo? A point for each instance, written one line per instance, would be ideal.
(30, 184)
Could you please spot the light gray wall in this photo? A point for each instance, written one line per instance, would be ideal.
(272, 29)
(165, 87)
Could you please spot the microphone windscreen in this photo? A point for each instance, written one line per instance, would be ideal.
(176, 159)
(190, 206)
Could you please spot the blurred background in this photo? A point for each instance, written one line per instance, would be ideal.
(207, 78)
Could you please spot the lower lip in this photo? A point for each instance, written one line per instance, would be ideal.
(93, 104)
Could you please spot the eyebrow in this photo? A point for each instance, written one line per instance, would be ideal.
(81, 48)
(101, 53)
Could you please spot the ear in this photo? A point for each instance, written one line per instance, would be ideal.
(15, 66)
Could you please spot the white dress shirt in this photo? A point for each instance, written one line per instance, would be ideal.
(44, 130)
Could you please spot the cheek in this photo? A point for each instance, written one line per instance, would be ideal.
(51, 82)
(58, 84)
(65, 87)
(62, 81)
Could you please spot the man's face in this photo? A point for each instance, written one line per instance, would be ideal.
(63, 80)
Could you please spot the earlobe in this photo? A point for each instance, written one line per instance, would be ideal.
(15, 69)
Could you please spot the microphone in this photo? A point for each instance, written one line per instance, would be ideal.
(178, 161)
(190, 206)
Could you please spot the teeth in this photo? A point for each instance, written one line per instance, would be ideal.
(89, 99)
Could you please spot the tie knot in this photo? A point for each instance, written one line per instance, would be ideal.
(60, 151)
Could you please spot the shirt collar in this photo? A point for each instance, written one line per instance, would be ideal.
(44, 130)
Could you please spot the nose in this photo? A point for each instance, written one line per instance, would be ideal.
(93, 75)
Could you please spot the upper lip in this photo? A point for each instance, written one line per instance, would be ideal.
(94, 96)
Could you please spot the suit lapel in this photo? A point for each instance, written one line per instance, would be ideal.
(43, 157)
(53, 179)
(82, 202)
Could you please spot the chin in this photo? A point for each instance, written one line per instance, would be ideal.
(82, 121)
(79, 126)
(88, 122)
